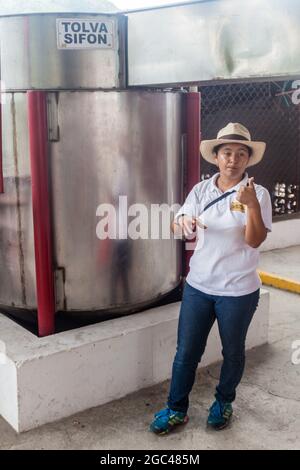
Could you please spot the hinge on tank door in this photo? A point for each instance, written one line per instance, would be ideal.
(60, 295)
(52, 116)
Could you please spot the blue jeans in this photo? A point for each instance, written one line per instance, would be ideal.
(197, 315)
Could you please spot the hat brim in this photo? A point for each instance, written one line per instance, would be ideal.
(207, 146)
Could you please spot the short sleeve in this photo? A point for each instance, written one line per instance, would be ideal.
(264, 200)
(190, 205)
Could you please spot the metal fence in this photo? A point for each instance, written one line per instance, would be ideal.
(269, 110)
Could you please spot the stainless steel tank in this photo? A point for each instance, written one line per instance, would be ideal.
(104, 141)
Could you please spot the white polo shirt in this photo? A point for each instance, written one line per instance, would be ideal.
(223, 263)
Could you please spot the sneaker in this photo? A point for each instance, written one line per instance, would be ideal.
(219, 415)
(166, 419)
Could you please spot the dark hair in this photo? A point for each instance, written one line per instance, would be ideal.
(217, 148)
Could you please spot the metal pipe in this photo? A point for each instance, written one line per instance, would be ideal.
(193, 133)
(37, 122)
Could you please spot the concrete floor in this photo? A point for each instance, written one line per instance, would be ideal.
(266, 411)
(284, 262)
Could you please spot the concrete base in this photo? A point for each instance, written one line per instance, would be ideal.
(46, 379)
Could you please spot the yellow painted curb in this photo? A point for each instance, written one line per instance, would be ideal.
(280, 282)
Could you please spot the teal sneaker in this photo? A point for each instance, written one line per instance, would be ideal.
(165, 420)
(219, 415)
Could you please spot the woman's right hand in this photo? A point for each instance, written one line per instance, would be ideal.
(185, 226)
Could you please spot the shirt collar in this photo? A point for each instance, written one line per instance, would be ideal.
(214, 187)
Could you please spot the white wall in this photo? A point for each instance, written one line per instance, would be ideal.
(284, 233)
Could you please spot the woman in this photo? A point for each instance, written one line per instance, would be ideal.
(222, 283)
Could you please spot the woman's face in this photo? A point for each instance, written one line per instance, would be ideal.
(232, 160)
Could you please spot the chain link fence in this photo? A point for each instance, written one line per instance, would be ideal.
(268, 111)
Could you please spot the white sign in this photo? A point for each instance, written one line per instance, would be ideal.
(84, 34)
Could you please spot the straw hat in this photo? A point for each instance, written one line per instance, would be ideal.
(233, 133)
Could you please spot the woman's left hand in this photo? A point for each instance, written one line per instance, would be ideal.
(246, 194)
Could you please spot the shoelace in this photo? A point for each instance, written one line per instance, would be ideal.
(166, 412)
(216, 409)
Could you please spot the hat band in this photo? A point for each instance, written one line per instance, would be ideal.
(234, 137)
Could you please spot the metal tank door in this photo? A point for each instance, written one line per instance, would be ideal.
(116, 148)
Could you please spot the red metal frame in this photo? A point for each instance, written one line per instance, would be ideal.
(193, 133)
(37, 123)
(1, 155)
